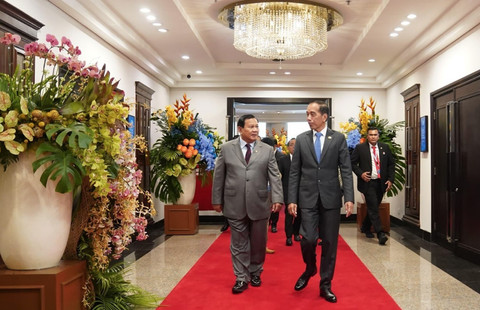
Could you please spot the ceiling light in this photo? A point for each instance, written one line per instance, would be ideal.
(371, 60)
(411, 16)
(151, 17)
(287, 73)
(157, 24)
(398, 29)
(145, 10)
(394, 34)
(405, 23)
(163, 30)
(186, 57)
(198, 72)
(359, 73)
(280, 30)
(272, 72)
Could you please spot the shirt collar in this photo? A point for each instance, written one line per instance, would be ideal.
(243, 143)
(323, 131)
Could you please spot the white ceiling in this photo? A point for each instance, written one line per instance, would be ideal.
(195, 31)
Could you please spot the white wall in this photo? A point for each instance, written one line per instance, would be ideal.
(457, 61)
(95, 51)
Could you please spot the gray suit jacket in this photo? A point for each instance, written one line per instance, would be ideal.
(243, 189)
(308, 179)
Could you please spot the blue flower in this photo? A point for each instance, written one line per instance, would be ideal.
(353, 138)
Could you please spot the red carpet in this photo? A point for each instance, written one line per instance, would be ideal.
(208, 284)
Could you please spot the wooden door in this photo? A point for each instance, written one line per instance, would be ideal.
(455, 145)
(411, 99)
(143, 98)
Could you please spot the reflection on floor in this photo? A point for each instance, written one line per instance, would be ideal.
(417, 274)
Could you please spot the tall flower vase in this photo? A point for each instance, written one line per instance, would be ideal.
(188, 183)
(34, 220)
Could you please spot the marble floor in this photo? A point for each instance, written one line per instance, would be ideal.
(416, 273)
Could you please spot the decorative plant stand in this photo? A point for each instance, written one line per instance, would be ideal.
(384, 212)
(181, 219)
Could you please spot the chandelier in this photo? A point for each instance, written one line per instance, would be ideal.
(280, 30)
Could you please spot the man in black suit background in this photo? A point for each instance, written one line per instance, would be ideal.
(314, 190)
(374, 165)
(292, 224)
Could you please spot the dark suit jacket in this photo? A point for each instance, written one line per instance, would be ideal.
(284, 168)
(309, 179)
(362, 161)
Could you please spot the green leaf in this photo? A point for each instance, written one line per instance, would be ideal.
(79, 135)
(61, 163)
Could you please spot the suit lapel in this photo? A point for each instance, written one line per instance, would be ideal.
(310, 144)
(237, 149)
(326, 142)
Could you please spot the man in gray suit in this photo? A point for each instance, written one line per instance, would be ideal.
(243, 170)
(314, 190)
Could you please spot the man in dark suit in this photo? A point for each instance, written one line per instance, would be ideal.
(314, 190)
(273, 221)
(292, 224)
(374, 165)
(243, 170)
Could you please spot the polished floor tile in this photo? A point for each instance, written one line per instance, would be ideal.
(416, 273)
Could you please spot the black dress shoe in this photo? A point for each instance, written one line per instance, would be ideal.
(289, 242)
(303, 280)
(256, 281)
(274, 228)
(382, 238)
(239, 287)
(328, 295)
(369, 234)
(224, 227)
(296, 238)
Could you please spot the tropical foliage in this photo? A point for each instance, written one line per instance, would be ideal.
(356, 132)
(187, 145)
(281, 139)
(75, 119)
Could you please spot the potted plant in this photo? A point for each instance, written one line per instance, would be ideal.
(72, 124)
(187, 146)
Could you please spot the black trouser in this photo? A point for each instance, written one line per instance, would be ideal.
(373, 198)
(292, 224)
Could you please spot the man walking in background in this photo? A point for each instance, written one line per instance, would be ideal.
(374, 165)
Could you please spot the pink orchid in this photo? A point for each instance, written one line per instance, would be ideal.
(52, 39)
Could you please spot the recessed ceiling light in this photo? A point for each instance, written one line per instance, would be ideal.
(394, 34)
(272, 72)
(151, 17)
(287, 73)
(371, 60)
(163, 30)
(405, 23)
(157, 24)
(145, 10)
(199, 72)
(411, 16)
(359, 73)
(398, 29)
(186, 57)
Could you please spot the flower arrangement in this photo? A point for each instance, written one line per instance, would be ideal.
(75, 121)
(187, 145)
(281, 139)
(356, 132)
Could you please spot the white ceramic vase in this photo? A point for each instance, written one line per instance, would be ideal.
(34, 220)
(188, 183)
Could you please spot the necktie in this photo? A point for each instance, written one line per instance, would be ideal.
(376, 160)
(318, 146)
(248, 153)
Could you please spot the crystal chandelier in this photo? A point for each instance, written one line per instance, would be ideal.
(280, 30)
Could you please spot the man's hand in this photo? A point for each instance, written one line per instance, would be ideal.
(217, 208)
(349, 208)
(389, 185)
(276, 207)
(292, 209)
(366, 176)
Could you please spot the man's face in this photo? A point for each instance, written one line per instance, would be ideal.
(291, 146)
(315, 119)
(249, 132)
(372, 136)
